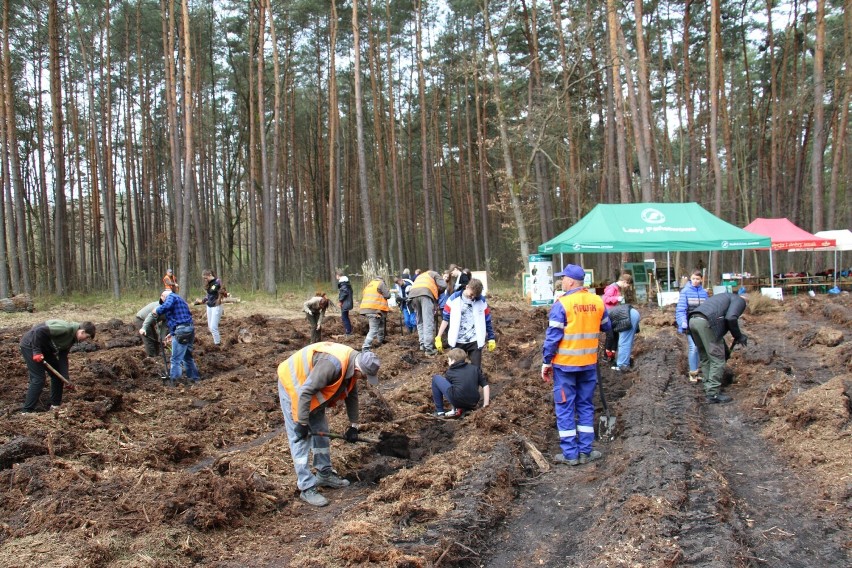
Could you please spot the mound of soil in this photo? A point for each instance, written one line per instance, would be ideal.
(132, 472)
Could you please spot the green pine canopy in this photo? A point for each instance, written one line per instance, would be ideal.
(651, 227)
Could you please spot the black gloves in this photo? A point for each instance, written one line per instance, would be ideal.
(351, 434)
(301, 431)
(743, 339)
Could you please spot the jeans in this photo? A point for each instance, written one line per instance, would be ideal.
(347, 323)
(37, 371)
(575, 411)
(440, 391)
(299, 449)
(377, 330)
(692, 355)
(625, 340)
(213, 317)
(424, 307)
(182, 354)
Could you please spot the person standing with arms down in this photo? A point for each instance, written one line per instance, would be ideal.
(345, 301)
(309, 381)
(48, 344)
(691, 296)
(424, 295)
(708, 325)
(315, 309)
(374, 306)
(213, 301)
(170, 281)
(569, 360)
(181, 334)
(468, 316)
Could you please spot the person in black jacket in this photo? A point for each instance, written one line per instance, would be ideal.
(49, 343)
(460, 386)
(344, 300)
(708, 325)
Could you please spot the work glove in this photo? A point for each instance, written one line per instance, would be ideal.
(547, 372)
(492, 345)
(743, 339)
(439, 345)
(351, 434)
(610, 355)
(301, 430)
(38, 357)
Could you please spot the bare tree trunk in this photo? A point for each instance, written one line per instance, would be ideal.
(818, 146)
(188, 166)
(839, 166)
(22, 248)
(776, 118)
(276, 149)
(511, 182)
(714, 118)
(424, 146)
(333, 165)
(176, 192)
(482, 162)
(268, 196)
(367, 219)
(393, 143)
(107, 188)
(615, 70)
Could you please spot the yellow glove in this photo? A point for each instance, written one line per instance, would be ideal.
(492, 345)
(439, 345)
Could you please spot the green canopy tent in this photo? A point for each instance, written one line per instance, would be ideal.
(651, 227)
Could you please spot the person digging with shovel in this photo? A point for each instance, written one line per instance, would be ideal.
(310, 380)
(46, 346)
(569, 360)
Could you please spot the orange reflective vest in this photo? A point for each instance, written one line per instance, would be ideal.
(170, 283)
(579, 345)
(293, 373)
(372, 299)
(425, 280)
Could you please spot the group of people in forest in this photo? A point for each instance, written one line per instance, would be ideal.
(323, 373)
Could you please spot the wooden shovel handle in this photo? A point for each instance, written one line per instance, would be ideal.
(57, 374)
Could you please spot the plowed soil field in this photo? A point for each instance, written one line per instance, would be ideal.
(130, 472)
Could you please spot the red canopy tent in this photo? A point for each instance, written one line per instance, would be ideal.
(786, 236)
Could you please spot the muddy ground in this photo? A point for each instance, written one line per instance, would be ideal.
(132, 473)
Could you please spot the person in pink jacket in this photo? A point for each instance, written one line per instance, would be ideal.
(620, 339)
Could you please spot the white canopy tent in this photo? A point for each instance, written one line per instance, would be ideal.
(843, 240)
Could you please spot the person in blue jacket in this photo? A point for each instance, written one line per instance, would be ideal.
(691, 296)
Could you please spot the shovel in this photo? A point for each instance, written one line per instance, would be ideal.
(68, 384)
(606, 423)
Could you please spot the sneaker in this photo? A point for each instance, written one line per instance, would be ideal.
(590, 457)
(620, 368)
(331, 479)
(430, 352)
(720, 398)
(559, 459)
(694, 377)
(454, 413)
(55, 407)
(312, 497)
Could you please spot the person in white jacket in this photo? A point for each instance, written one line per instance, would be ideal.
(468, 317)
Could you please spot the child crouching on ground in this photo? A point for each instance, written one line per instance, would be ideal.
(460, 386)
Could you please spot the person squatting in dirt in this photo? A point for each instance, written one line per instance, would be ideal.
(153, 337)
(170, 281)
(708, 325)
(181, 334)
(48, 344)
(374, 306)
(459, 386)
(424, 295)
(213, 300)
(310, 380)
(345, 301)
(691, 296)
(468, 317)
(569, 360)
(314, 309)
(625, 322)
